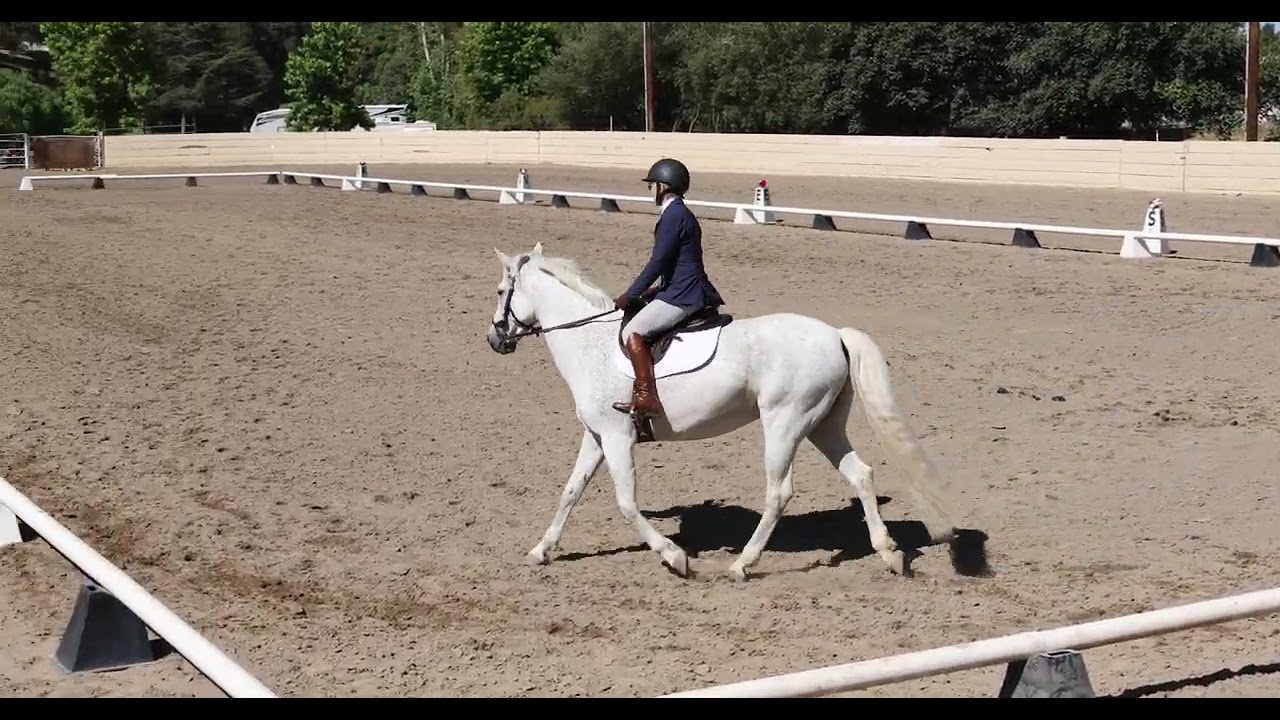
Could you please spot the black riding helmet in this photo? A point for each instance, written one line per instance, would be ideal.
(672, 172)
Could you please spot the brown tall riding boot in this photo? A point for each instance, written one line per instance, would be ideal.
(645, 391)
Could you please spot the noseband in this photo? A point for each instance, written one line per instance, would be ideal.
(509, 339)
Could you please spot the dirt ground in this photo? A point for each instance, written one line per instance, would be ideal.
(274, 407)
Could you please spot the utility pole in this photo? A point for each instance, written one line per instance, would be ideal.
(1251, 83)
(649, 82)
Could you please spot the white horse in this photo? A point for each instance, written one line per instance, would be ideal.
(795, 374)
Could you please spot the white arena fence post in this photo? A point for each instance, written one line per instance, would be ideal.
(107, 629)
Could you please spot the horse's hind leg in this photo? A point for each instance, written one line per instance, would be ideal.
(783, 431)
(832, 440)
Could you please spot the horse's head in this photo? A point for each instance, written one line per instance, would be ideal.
(515, 314)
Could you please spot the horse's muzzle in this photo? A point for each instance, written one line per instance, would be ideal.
(500, 342)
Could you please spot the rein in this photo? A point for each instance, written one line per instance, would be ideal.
(538, 329)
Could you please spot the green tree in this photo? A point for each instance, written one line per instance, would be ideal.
(596, 76)
(756, 76)
(413, 63)
(438, 95)
(104, 71)
(390, 61)
(498, 57)
(1109, 79)
(274, 42)
(1201, 84)
(207, 73)
(28, 107)
(1012, 79)
(1269, 81)
(923, 78)
(321, 78)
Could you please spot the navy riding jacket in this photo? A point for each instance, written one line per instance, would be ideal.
(677, 261)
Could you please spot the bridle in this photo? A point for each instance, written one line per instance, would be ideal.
(508, 340)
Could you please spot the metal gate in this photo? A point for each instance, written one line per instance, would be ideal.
(15, 151)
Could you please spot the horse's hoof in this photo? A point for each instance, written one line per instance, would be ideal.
(737, 573)
(680, 565)
(897, 561)
(535, 557)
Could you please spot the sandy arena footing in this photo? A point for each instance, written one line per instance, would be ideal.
(275, 408)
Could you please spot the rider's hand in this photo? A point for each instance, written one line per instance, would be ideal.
(622, 302)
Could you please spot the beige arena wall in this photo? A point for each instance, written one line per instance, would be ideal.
(1192, 166)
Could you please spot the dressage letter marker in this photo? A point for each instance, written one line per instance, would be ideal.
(761, 199)
(522, 182)
(1142, 248)
(743, 216)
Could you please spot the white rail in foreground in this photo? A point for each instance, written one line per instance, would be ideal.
(206, 657)
(1010, 648)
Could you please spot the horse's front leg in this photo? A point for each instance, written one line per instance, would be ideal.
(618, 449)
(590, 454)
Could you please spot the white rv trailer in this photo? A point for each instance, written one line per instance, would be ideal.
(385, 117)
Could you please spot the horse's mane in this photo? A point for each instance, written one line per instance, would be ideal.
(568, 273)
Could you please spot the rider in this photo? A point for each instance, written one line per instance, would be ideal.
(685, 287)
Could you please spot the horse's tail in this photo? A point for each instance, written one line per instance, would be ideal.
(870, 375)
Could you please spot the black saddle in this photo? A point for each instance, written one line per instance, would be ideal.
(659, 343)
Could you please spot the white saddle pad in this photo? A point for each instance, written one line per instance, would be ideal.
(687, 352)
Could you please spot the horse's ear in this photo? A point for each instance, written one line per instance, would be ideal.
(503, 258)
(537, 249)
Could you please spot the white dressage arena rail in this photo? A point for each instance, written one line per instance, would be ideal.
(1010, 648)
(1266, 250)
(28, 182)
(750, 213)
(506, 195)
(204, 655)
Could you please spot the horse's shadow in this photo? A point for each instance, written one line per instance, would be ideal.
(710, 526)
